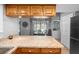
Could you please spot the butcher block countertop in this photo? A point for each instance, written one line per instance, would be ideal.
(31, 41)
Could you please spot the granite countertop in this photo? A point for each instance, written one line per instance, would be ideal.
(31, 41)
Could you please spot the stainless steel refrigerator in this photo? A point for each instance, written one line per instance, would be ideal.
(74, 35)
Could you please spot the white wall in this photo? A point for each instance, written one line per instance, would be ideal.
(65, 28)
(8, 25)
(67, 7)
(11, 25)
(56, 34)
(1, 20)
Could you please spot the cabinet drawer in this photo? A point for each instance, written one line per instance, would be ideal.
(24, 50)
(17, 51)
(51, 50)
(28, 50)
(37, 51)
(33, 50)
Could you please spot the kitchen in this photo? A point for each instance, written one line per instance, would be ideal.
(35, 28)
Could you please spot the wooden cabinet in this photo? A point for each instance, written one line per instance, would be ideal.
(23, 10)
(49, 10)
(30, 10)
(27, 51)
(23, 50)
(11, 10)
(36, 11)
(51, 50)
(30, 50)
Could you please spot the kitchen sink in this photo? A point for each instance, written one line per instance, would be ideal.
(4, 50)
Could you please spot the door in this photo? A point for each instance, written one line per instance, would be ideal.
(24, 26)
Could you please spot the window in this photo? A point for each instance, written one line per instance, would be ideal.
(40, 26)
(56, 25)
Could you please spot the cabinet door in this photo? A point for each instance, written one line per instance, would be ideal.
(36, 11)
(25, 50)
(17, 51)
(33, 50)
(11, 10)
(24, 10)
(50, 50)
(49, 10)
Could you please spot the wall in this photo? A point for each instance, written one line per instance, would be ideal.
(56, 34)
(11, 25)
(8, 25)
(67, 7)
(1, 20)
(65, 28)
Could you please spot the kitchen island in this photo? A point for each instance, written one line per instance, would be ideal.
(28, 44)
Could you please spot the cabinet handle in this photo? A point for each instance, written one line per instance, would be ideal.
(48, 13)
(50, 51)
(30, 51)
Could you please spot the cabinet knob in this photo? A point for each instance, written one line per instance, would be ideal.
(50, 51)
(30, 51)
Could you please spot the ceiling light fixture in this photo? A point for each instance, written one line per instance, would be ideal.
(20, 17)
(40, 17)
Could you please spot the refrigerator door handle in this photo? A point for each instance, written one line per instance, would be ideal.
(74, 38)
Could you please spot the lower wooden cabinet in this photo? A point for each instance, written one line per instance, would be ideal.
(27, 51)
(37, 51)
(51, 50)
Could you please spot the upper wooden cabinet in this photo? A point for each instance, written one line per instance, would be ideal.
(11, 10)
(49, 10)
(30, 10)
(36, 11)
(23, 10)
